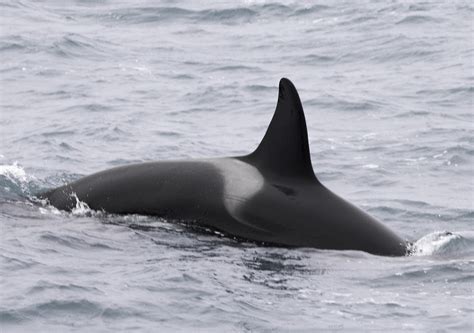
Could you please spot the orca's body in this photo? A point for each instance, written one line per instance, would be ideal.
(271, 195)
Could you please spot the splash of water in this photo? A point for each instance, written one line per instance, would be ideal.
(438, 243)
(14, 180)
(15, 173)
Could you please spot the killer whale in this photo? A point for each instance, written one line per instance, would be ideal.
(270, 196)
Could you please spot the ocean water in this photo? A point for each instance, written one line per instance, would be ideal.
(387, 88)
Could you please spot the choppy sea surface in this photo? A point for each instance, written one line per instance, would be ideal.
(87, 85)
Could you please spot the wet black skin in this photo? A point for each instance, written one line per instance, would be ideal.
(310, 215)
(290, 207)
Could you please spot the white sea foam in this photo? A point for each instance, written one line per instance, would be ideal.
(15, 173)
(438, 242)
(17, 179)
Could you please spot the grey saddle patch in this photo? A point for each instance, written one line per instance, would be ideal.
(241, 182)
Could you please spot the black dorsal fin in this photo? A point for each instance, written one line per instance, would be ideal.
(284, 150)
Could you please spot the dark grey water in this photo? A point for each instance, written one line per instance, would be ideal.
(87, 85)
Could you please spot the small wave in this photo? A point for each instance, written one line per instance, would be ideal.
(78, 46)
(440, 243)
(418, 8)
(11, 317)
(58, 133)
(418, 19)
(93, 107)
(11, 263)
(14, 46)
(238, 68)
(147, 14)
(58, 307)
(272, 8)
(404, 54)
(161, 14)
(409, 114)
(228, 15)
(74, 242)
(258, 87)
(460, 90)
(331, 102)
(235, 15)
(14, 172)
(9, 4)
(314, 59)
(15, 183)
(310, 10)
(359, 21)
(42, 286)
(413, 203)
(183, 77)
